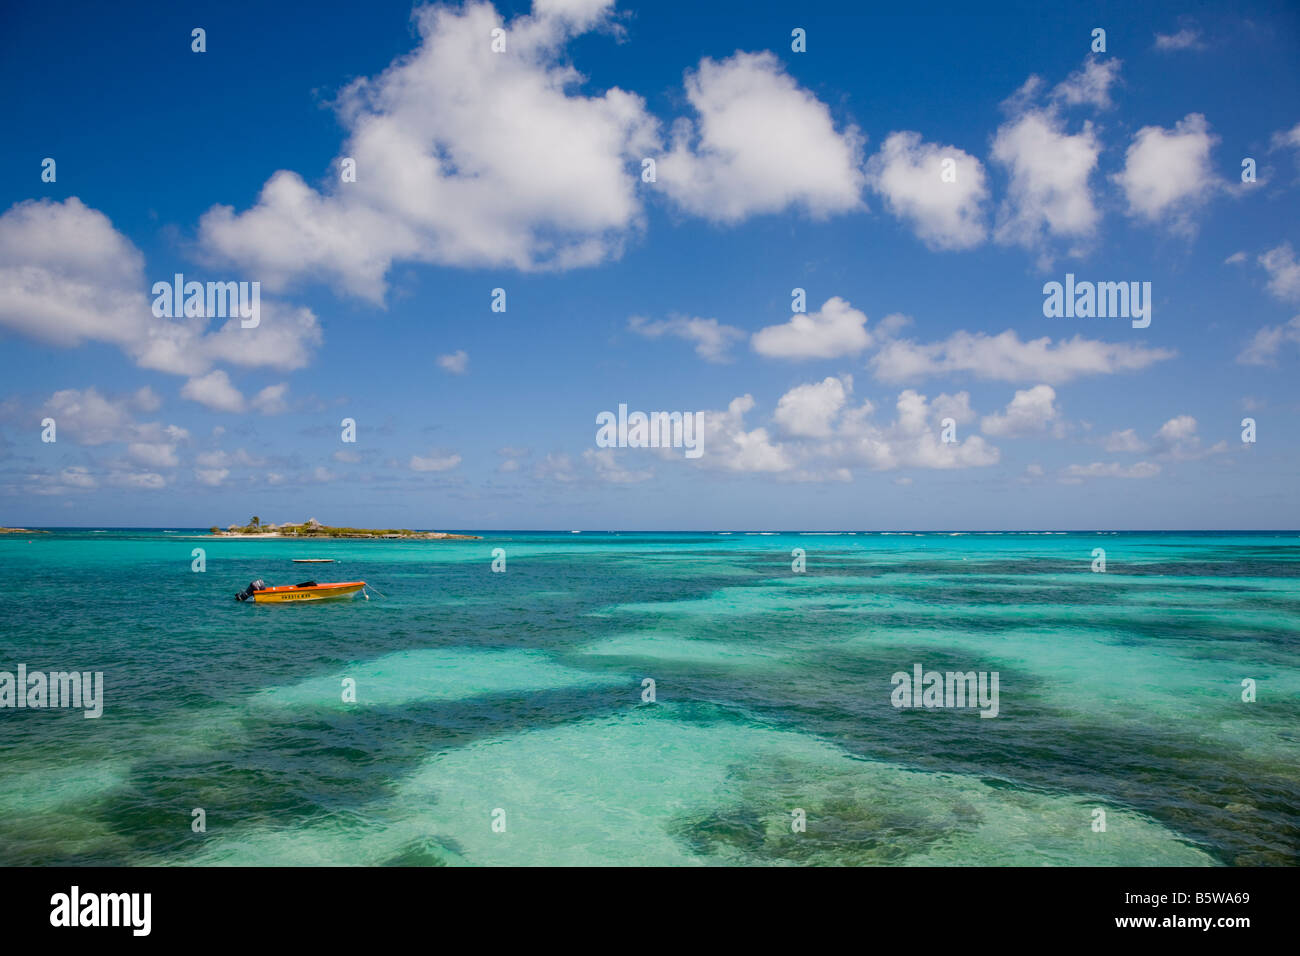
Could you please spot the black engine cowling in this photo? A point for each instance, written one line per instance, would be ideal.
(249, 591)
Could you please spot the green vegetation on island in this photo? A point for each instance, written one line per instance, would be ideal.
(311, 528)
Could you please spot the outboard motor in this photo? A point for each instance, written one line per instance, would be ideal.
(248, 592)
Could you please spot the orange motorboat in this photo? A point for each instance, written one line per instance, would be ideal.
(306, 591)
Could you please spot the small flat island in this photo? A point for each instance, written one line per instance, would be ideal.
(311, 528)
(21, 531)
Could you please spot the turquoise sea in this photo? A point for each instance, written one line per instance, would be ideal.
(503, 718)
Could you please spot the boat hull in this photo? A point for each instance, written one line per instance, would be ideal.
(320, 592)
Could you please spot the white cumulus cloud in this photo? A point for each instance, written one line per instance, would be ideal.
(712, 339)
(1005, 357)
(1089, 85)
(457, 363)
(1283, 272)
(809, 410)
(215, 391)
(1264, 346)
(1167, 174)
(759, 143)
(1048, 196)
(836, 329)
(945, 213)
(1185, 39)
(463, 157)
(67, 277)
(1031, 411)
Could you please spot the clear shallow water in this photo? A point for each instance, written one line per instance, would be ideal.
(522, 692)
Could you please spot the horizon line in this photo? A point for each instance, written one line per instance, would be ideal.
(754, 531)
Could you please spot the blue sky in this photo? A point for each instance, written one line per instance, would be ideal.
(775, 170)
